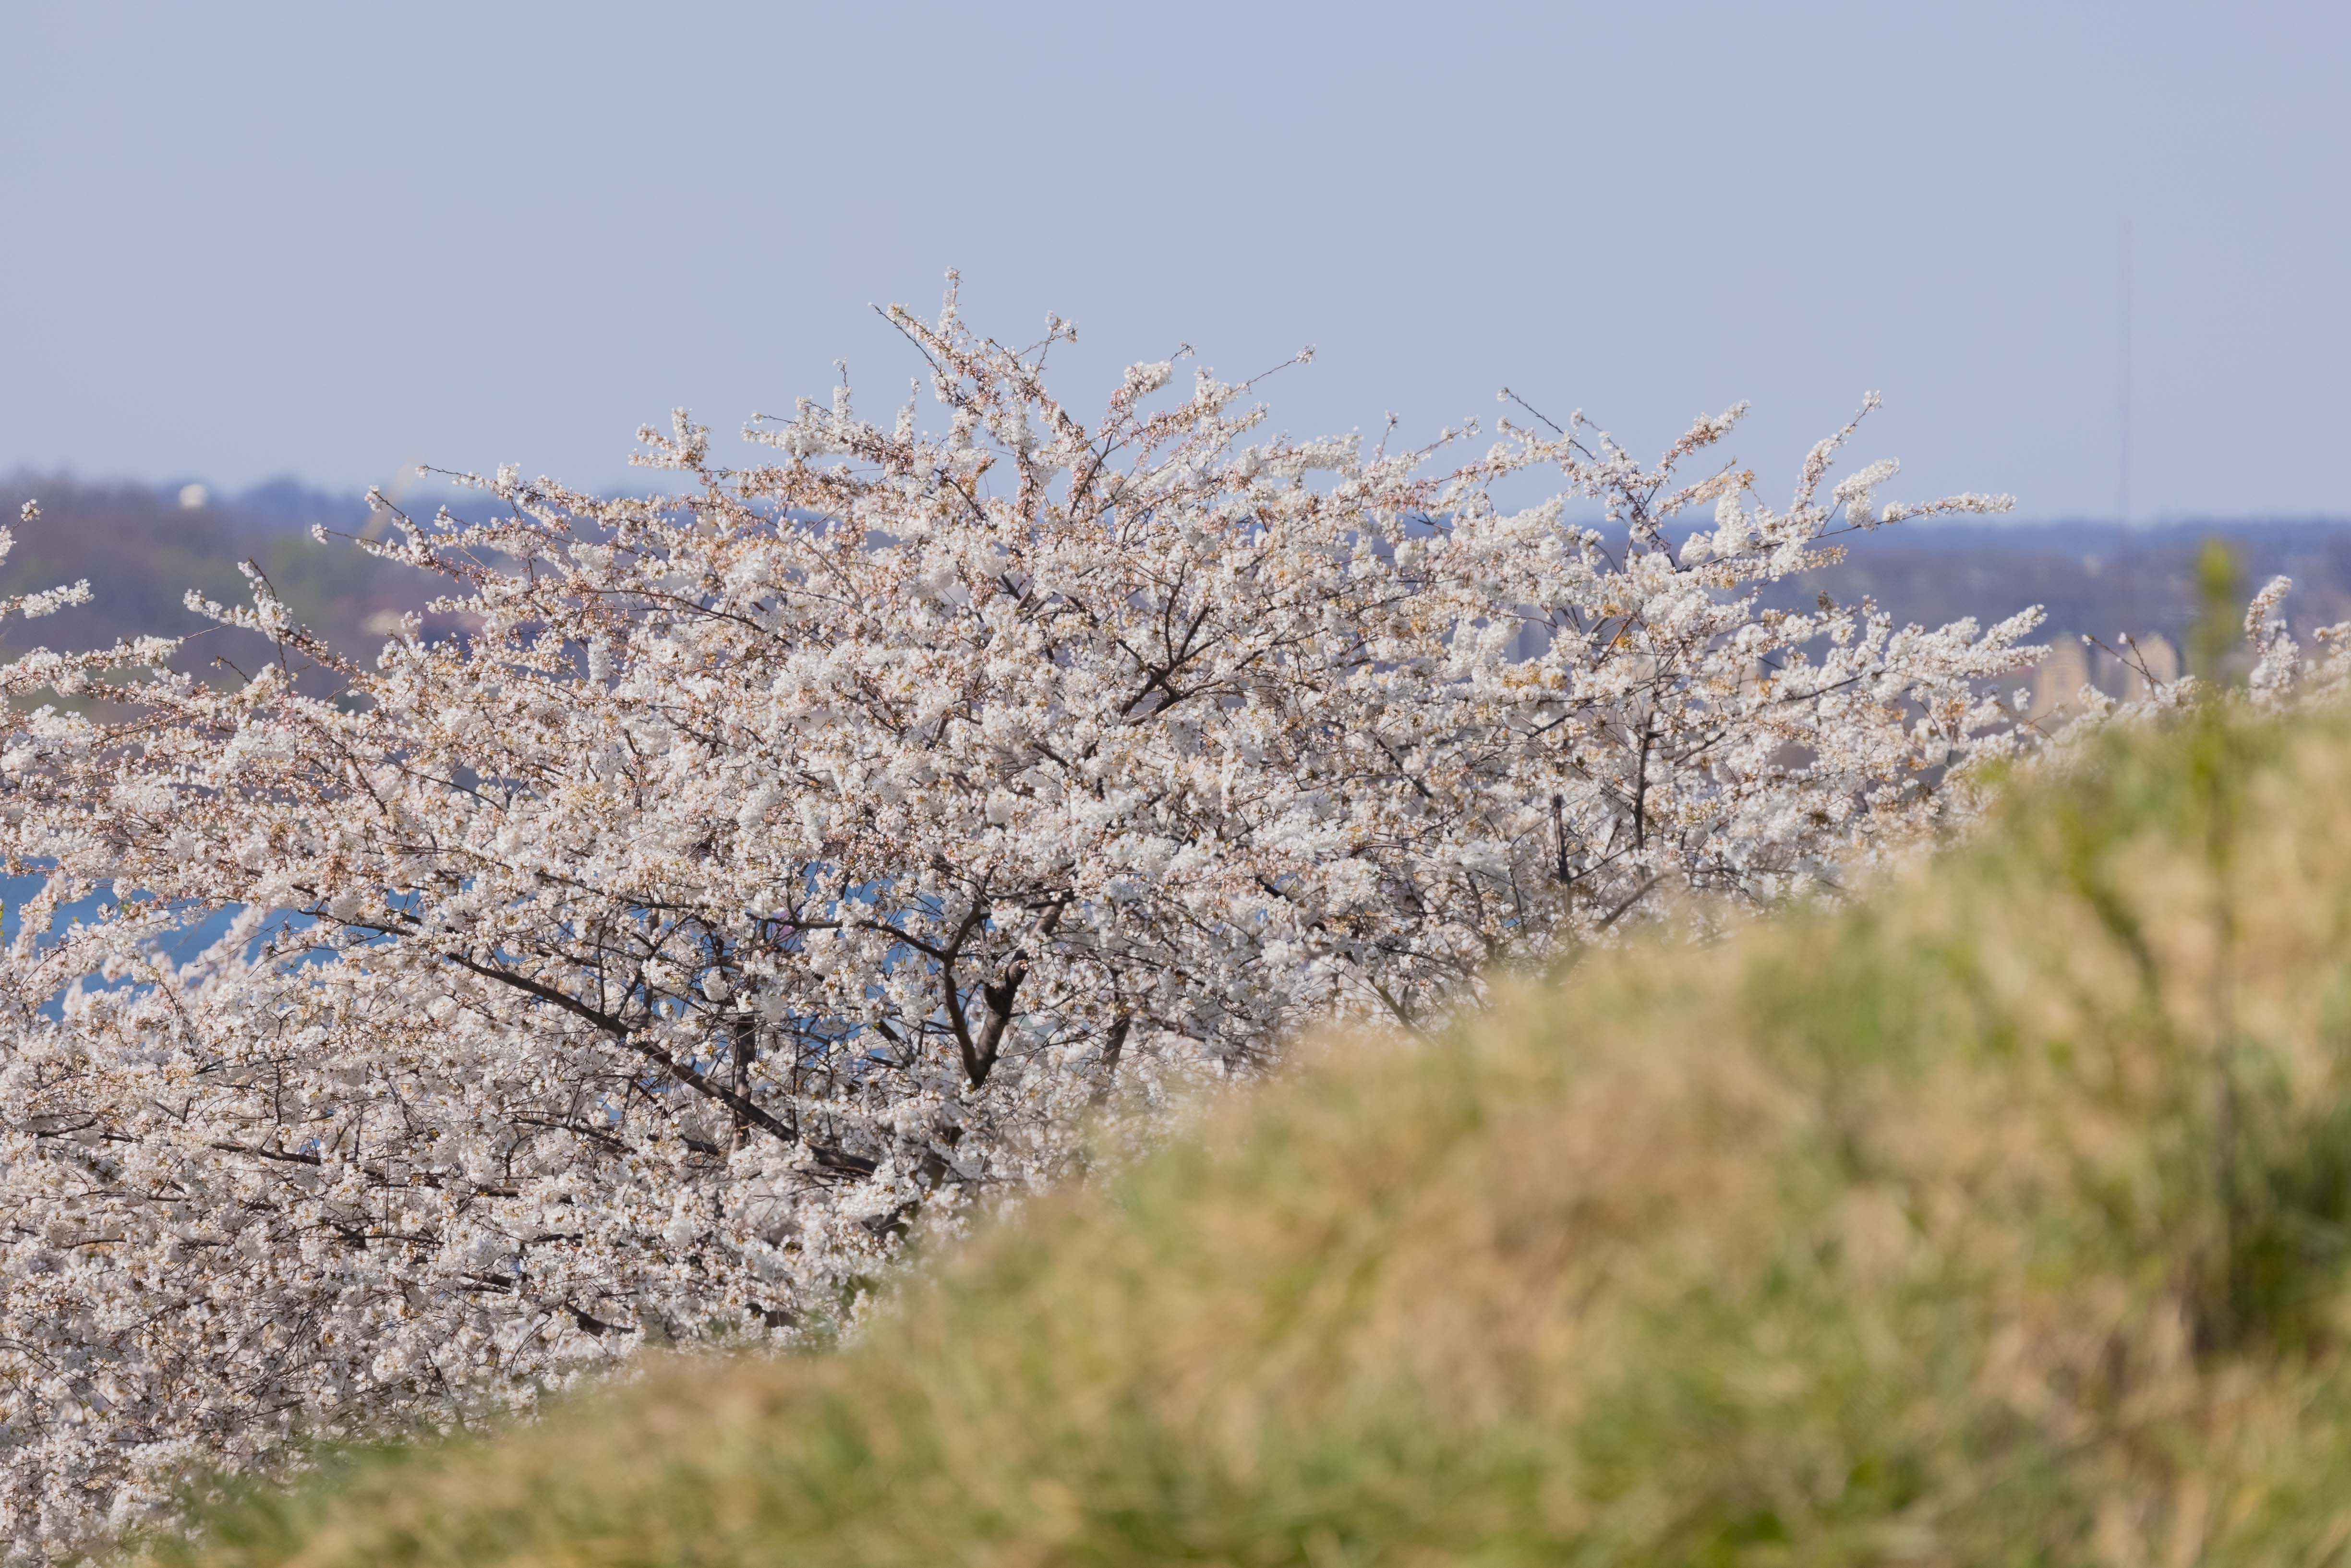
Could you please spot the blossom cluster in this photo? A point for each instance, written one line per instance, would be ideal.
(791, 857)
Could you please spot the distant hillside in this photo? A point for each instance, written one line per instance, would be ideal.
(142, 550)
(2096, 578)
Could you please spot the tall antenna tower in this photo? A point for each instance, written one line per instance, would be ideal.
(2123, 375)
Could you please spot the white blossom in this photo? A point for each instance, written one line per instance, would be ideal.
(779, 864)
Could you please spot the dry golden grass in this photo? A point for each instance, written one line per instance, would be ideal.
(1998, 1219)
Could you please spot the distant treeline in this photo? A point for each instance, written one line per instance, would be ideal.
(2101, 579)
(144, 548)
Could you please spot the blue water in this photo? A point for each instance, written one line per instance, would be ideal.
(181, 947)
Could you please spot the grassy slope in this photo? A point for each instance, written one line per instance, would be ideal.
(1996, 1220)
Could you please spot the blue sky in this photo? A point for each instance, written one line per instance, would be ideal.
(251, 239)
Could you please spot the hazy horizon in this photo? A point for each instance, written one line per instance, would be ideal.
(287, 492)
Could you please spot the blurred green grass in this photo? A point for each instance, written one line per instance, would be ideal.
(1998, 1217)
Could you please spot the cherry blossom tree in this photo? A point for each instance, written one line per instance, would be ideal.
(795, 856)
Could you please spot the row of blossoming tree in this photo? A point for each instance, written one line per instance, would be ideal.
(786, 860)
